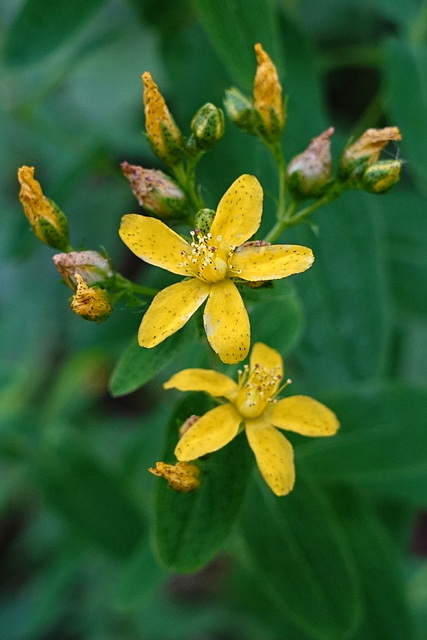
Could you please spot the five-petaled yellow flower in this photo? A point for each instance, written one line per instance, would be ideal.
(210, 263)
(253, 402)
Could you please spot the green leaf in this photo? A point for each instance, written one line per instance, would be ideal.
(302, 83)
(138, 364)
(295, 546)
(190, 528)
(382, 443)
(89, 496)
(406, 96)
(41, 26)
(282, 326)
(140, 576)
(233, 28)
(345, 295)
(386, 608)
(406, 221)
(30, 610)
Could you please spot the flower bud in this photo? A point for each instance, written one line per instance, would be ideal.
(207, 126)
(381, 176)
(155, 191)
(182, 476)
(310, 172)
(91, 303)
(47, 221)
(89, 265)
(357, 156)
(203, 220)
(268, 101)
(187, 424)
(163, 134)
(240, 110)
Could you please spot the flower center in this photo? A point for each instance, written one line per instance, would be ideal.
(257, 387)
(207, 260)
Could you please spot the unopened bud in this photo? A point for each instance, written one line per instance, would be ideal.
(203, 220)
(89, 265)
(91, 303)
(47, 221)
(240, 110)
(268, 100)
(163, 134)
(187, 424)
(310, 172)
(207, 126)
(155, 191)
(381, 176)
(357, 156)
(182, 476)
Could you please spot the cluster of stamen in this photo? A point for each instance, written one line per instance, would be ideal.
(261, 379)
(257, 387)
(206, 259)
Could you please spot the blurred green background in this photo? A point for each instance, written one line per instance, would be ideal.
(75, 496)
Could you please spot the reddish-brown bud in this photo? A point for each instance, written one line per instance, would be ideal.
(310, 172)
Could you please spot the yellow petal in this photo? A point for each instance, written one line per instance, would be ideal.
(227, 323)
(274, 456)
(270, 262)
(239, 211)
(170, 310)
(269, 358)
(305, 416)
(152, 241)
(212, 382)
(211, 432)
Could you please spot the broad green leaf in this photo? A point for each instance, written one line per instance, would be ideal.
(386, 608)
(403, 13)
(406, 221)
(282, 326)
(138, 364)
(31, 610)
(233, 28)
(48, 586)
(89, 496)
(302, 84)
(382, 443)
(41, 26)
(406, 95)
(190, 528)
(417, 592)
(344, 294)
(139, 577)
(295, 546)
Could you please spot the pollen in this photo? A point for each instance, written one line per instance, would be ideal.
(206, 259)
(257, 387)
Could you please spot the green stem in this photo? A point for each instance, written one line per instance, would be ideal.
(187, 182)
(123, 284)
(281, 168)
(291, 219)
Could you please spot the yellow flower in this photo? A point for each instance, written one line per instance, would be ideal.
(91, 303)
(47, 220)
(253, 403)
(210, 263)
(182, 476)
